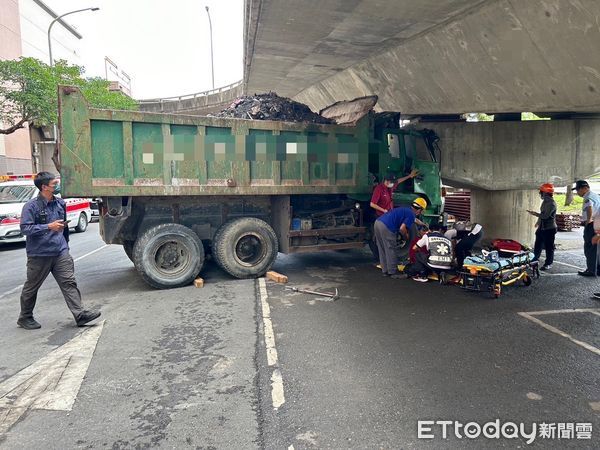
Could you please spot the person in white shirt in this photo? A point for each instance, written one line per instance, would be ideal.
(596, 242)
(439, 255)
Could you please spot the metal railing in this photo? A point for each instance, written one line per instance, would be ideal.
(192, 96)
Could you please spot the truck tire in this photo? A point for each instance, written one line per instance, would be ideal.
(168, 256)
(82, 223)
(245, 247)
(128, 247)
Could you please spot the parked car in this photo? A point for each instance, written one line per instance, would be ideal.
(95, 207)
(13, 196)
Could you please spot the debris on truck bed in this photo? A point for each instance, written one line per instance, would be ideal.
(348, 112)
(270, 106)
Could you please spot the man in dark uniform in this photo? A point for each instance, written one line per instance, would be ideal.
(44, 223)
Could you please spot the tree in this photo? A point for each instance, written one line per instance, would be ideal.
(28, 92)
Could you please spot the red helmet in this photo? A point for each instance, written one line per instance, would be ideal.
(548, 188)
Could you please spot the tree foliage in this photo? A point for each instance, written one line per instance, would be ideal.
(28, 92)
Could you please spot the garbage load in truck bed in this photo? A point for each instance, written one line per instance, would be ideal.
(133, 154)
(176, 187)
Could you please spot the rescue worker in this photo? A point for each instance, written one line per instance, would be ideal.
(465, 236)
(43, 222)
(381, 200)
(591, 207)
(546, 226)
(438, 256)
(398, 220)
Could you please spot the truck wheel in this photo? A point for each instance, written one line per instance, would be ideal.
(168, 255)
(82, 223)
(245, 247)
(128, 247)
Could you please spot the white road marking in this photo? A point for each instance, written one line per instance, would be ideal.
(277, 392)
(562, 311)
(19, 287)
(566, 274)
(52, 382)
(90, 253)
(555, 330)
(568, 265)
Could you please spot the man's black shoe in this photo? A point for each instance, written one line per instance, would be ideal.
(596, 296)
(87, 316)
(586, 273)
(28, 323)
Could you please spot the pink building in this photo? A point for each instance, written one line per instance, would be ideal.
(23, 26)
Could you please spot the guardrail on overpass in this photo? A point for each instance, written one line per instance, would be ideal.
(199, 103)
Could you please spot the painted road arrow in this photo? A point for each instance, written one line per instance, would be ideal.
(51, 383)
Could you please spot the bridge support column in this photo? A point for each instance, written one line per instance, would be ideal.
(503, 214)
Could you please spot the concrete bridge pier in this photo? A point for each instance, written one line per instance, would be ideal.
(504, 163)
(504, 215)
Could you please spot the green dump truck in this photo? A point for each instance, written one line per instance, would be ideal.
(175, 188)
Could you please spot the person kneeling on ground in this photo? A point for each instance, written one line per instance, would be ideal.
(438, 256)
(397, 220)
(465, 237)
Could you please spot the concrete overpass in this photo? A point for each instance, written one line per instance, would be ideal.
(434, 57)
(428, 56)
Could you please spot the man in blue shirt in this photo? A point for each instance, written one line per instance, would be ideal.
(43, 222)
(398, 220)
(591, 207)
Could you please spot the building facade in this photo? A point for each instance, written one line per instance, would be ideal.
(23, 32)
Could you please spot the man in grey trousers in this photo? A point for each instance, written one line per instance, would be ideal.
(44, 223)
(398, 220)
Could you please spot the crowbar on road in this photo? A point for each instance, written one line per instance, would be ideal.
(332, 296)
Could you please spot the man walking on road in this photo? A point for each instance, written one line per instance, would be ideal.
(43, 222)
(591, 207)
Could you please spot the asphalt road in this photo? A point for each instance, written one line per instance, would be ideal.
(200, 368)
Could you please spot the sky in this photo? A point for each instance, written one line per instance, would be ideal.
(164, 45)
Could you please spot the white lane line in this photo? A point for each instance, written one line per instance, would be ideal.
(52, 382)
(568, 265)
(90, 253)
(561, 311)
(555, 330)
(565, 274)
(19, 287)
(277, 392)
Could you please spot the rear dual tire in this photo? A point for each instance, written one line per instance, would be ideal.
(168, 256)
(245, 247)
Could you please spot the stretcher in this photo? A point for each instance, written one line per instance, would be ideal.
(479, 274)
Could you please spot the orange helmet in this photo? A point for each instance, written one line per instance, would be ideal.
(548, 188)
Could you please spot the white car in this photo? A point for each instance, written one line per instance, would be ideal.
(14, 195)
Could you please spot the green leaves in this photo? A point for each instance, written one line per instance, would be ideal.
(28, 92)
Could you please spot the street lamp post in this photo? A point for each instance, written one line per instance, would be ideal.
(54, 21)
(212, 61)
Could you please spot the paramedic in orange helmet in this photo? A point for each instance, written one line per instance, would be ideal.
(546, 226)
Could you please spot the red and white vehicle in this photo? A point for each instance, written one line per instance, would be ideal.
(13, 196)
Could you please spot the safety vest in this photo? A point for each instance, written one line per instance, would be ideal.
(440, 250)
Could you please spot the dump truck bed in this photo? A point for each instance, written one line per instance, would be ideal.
(130, 153)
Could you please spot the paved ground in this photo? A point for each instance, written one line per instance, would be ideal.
(200, 368)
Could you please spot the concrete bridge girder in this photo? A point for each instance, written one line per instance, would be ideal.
(518, 155)
(504, 163)
(494, 56)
